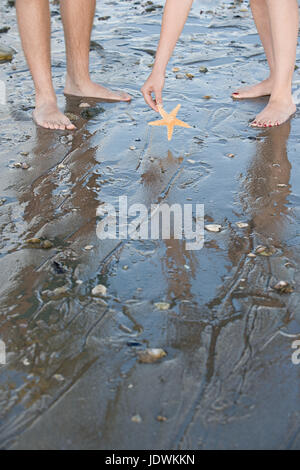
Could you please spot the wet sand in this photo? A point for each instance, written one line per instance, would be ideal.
(72, 378)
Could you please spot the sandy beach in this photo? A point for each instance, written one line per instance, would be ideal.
(73, 378)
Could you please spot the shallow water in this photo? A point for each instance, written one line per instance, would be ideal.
(72, 379)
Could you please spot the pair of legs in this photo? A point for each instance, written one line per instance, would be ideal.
(277, 23)
(34, 25)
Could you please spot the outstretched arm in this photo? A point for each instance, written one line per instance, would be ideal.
(174, 18)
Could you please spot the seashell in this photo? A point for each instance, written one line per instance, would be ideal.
(284, 287)
(149, 356)
(213, 228)
(162, 305)
(99, 291)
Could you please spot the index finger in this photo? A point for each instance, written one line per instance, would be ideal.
(149, 100)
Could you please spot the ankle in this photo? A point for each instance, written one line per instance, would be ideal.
(45, 98)
(74, 81)
(281, 96)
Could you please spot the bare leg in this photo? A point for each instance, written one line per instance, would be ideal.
(284, 22)
(78, 16)
(261, 17)
(34, 25)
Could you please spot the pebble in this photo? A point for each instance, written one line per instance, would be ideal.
(203, 69)
(84, 105)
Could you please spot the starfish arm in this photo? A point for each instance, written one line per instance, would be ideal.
(157, 123)
(170, 131)
(162, 112)
(175, 111)
(181, 123)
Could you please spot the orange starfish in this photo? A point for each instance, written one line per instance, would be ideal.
(169, 120)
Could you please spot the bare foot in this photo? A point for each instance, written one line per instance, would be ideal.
(263, 88)
(275, 113)
(93, 90)
(48, 115)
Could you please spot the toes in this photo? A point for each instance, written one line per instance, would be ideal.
(125, 97)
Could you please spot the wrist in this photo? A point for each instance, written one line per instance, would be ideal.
(159, 70)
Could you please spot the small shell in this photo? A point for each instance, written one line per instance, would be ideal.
(71, 116)
(175, 69)
(89, 247)
(46, 244)
(58, 377)
(136, 419)
(99, 291)
(33, 241)
(149, 356)
(190, 76)
(242, 225)
(161, 418)
(283, 287)
(213, 228)
(264, 250)
(59, 292)
(162, 305)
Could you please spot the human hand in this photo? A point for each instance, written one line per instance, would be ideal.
(154, 85)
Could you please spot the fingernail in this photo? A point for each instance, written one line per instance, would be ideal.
(235, 93)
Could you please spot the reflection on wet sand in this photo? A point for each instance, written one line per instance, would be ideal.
(267, 184)
(178, 264)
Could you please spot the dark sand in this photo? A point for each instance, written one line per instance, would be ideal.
(72, 379)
